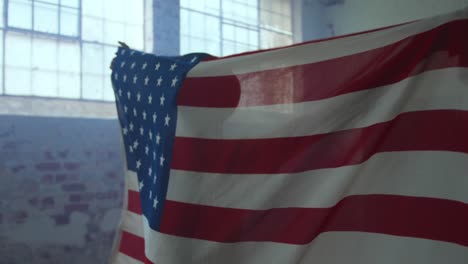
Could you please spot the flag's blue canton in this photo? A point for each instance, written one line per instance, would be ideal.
(145, 89)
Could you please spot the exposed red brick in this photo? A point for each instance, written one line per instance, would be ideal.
(72, 166)
(47, 179)
(74, 187)
(81, 207)
(48, 201)
(75, 198)
(60, 177)
(18, 168)
(48, 166)
(61, 219)
(64, 154)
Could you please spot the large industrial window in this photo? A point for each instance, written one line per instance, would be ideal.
(62, 48)
(224, 27)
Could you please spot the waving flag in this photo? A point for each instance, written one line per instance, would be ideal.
(349, 150)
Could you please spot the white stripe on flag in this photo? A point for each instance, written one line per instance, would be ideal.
(319, 51)
(393, 173)
(433, 90)
(132, 223)
(131, 180)
(330, 247)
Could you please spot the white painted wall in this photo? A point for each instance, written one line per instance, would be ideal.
(358, 15)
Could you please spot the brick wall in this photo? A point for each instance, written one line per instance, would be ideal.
(61, 188)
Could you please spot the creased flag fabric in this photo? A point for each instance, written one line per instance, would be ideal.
(347, 150)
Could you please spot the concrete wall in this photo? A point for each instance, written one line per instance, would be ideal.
(61, 181)
(326, 18)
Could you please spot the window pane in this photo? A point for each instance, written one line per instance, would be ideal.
(1, 12)
(44, 54)
(134, 35)
(114, 31)
(1, 59)
(69, 57)
(70, 3)
(134, 12)
(19, 50)
(17, 80)
(92, 86)
(93, 29)
(46, 17)
(44, 83)
(206, 6)
(92, 8)
(69, 85)
(20, 14)
(240, 12)
(93, 58)
(69, 22)
(115, 10)
(18, 64)
(271, 39)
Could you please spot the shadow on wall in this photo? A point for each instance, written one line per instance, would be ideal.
(61, 186)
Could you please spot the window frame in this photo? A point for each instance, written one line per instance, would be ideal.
(258, 28)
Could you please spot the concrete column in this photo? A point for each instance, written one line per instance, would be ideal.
(166, 27)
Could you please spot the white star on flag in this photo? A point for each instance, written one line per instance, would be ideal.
(144, 115)
(131, 126)
(150, 171)
(125, 109)
(161, 99)
(120, 92)
(174, 82)
(122, 64)
(138, 97)
(125, 130)
(159, 81)
(142, 130)
(135, 144)
(150, 135)
(155, 202)
(150, 194)
(135, 112)
(146, 150)
(161, 160)
(135, 78)
(173, 66)
(166, 120)
(158, 138)
(141, 185)
(157, 66)
(150, 99)
(138, 164)
(154, 117)
(130, 148)
(133, 65)
(129, 95)
(146, 80)
(194, 59)
(125, 78)
(144, 66)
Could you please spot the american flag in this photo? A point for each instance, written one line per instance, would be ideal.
(348, 150)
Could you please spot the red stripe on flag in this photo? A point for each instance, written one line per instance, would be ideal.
(425, 130)
(134, 202)
(442, 47)
(133, 246)
(429, 218)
